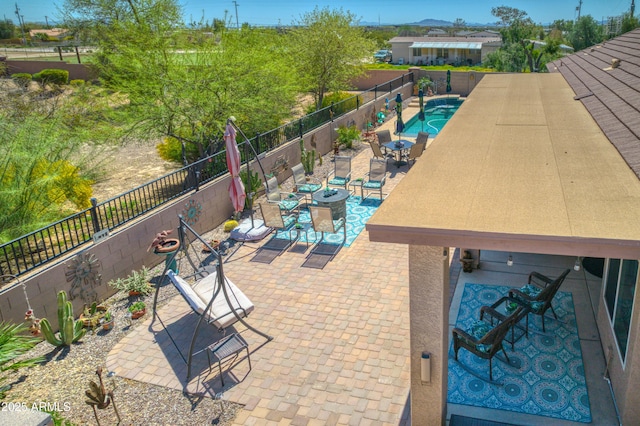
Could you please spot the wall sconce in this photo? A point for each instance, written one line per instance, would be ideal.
(510, 261)
(577, 265)
(425, 367)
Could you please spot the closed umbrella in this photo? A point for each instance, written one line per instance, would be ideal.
(421, 113)
(448, 81)
(236, 188)
(399, 123)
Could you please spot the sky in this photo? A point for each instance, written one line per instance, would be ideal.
(283, 12)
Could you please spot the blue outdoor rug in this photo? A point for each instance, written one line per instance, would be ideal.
(358, 213)
(550, 380)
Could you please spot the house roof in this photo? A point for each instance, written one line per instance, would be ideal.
(447, 45)
(439, 41)
(610, 94)
(523, 167)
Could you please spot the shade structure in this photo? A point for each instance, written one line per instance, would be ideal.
(421, 113)
(399, 122)
(448, 81)
(236, 188)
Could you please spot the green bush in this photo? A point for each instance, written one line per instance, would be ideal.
(347, 135)
(22, 78)
(76, 83)
(52, 76)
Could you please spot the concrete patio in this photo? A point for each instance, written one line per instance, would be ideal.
(340, 348)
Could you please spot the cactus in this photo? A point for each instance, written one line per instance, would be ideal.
(307, 158)
(70, 330)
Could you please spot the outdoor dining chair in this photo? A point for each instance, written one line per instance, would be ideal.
(272, 217)
(383, 136)
(288, 202)
(377, 176)
(422, 137)
(341, 172)
(538, 294)
(484, 339)
(416, 152)
(305, 185)
(377, 152)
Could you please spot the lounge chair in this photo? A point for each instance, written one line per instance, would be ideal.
(322, 221)
(484, 339)
(288, 202)
(303, 186)
(341, 172)
(539, 293)
(377, 176)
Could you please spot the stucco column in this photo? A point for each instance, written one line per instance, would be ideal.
(429, 318)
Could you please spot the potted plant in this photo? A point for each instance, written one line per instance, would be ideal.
(137, 309)
(136, 283)
(108, 321)
(162, 244)
(92, 315)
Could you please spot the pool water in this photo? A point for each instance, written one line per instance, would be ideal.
(437, 113)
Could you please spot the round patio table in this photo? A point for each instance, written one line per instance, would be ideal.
(336, 199)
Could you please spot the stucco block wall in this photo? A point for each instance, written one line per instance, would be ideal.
(76, 71)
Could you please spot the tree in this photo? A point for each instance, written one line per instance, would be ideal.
(6, 29)
(586, 32)
(186, 88)
(629, 23)
(327, 50)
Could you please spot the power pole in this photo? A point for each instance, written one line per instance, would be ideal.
(46, 18)
(237, 21)
(21, 22)
(579, 8)
(633, 7)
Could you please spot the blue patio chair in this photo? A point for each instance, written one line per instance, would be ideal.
(341, 172)
(305, 185)
(288, 202)
(377, 176)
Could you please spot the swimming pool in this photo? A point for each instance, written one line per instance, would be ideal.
(437, 113)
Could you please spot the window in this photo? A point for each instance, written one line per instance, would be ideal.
(417, 51)
(443, 53)
(619, 289)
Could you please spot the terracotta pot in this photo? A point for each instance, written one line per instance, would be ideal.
(108, 325)
(138, 314)
(167, 246)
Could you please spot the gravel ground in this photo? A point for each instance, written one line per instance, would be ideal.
(65, 375)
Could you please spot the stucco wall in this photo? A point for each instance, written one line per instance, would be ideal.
(76, 71)
(126, 248)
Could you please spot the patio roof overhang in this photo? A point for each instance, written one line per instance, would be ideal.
(522, 167)
(446, 45)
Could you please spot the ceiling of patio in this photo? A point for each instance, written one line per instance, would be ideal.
(522, 166)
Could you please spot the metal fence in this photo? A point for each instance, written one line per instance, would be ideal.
(23, 254)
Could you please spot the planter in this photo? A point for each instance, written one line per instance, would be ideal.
(134, 293)
(168, 246)
(108, 325)
(138, 314)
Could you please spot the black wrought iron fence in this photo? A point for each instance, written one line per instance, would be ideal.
(43, 245)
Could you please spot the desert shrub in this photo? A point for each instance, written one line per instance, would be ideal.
(21, 78)
(52, 76)
(76, 83)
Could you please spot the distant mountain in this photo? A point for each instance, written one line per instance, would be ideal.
(433, 23)
(427, 23)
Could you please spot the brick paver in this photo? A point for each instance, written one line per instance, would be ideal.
(340, 348)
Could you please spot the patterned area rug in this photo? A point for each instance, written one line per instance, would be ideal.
(546, 375)
(358, 213)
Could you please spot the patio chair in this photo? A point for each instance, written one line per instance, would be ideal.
(322, 221)
(377, 152)
(484, 339)
(383, 136)
(539, 293)
(272, 217)
(341, 172)
(377, 176)
(422, 137)
(288, 202)
(416, 152)
(305, 185)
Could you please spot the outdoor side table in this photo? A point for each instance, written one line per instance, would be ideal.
(229, 346)
(357, 183)
(502, 308)
(303, 227)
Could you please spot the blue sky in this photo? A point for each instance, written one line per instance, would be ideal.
(271, 12)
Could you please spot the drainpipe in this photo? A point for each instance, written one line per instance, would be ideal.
(608, 379)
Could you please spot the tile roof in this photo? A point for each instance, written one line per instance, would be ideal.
(610, 93)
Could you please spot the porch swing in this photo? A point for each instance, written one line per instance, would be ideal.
(213, 297)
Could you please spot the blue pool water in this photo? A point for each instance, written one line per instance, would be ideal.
(437, 113)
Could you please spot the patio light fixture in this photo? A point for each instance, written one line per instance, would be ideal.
(510, 261)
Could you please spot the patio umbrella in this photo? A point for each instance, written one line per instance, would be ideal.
(399, 123)
(448, 81)
(236, 188)
(421, 113)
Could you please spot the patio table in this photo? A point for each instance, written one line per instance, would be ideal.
(398, 147)
(501, 310)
